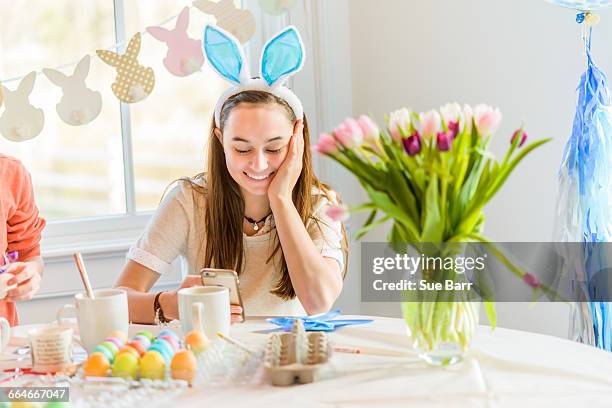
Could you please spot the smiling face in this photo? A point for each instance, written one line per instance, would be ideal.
(255, 139)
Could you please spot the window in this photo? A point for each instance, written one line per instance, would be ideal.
(99, 182)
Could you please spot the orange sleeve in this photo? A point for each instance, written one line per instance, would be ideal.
(24, 225)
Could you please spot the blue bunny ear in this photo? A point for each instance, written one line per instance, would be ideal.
(225, 54)
(282, 56)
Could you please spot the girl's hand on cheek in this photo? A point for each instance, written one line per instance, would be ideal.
(285, 179)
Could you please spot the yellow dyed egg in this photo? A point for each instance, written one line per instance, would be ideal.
(184, 366)
(152, 366)
(125, 366)
(197, 341)
(97, 365)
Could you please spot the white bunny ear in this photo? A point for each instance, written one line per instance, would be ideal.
(56, 77)
(27, 84)
(82, 68)
(182, 22)
(282, 56)
(225, 54)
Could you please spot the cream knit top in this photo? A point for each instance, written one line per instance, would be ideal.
(172, 232)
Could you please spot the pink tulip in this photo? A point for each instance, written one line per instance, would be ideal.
(486, 119)
(399, 119)
(370, 131)
(521, 134)
(444, 141)
(337, 213)
(349, 134)
(326, 144)
(531, 280)
(431, 123)
(412, 144)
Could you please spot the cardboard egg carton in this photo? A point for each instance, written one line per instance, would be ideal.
(296, 357)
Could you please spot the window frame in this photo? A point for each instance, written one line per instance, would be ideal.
(116, 233)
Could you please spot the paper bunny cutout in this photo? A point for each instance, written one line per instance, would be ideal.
(276, 7)
(20, 120)
(134, 82)
(241, 23)
(79, 105)
(184, 54)
(282, 57)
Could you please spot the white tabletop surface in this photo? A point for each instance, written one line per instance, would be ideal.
(504, 368)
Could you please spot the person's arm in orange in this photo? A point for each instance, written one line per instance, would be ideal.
(24, 227)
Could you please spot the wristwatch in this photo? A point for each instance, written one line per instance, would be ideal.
(157, 310)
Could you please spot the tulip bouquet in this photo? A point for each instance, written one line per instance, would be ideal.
(430, 174)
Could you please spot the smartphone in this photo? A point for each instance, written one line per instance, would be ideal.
(227, 279)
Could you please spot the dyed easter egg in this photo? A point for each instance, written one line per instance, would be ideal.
(129, 349)
(107, 353)
(165, 344)
(120, 335)
(173, 341)
(152, 366)
(117, 342)
(146, 342)
(168, 332)
(125, 366)
(161, 350)
(111, 346)
(196, 341)
(146, 334)
(57, 404)
(97, 365)
(184, 366)
(138, 346)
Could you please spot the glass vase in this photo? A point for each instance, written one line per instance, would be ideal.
(441, 332)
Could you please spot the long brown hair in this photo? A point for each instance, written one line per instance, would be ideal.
(221, 204)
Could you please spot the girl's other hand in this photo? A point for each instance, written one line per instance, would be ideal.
(169, 300)
(289, 171)
(236, 311)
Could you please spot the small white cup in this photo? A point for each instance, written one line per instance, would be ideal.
(51, 349)
(206, 308)
(5, 334)
(98, 317)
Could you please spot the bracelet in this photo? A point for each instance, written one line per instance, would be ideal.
(157, 310)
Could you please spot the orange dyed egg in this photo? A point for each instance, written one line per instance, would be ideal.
(97, 365)
(196, 341)
(120, 335)
(129, 349)
(136, 345)
(184, 366)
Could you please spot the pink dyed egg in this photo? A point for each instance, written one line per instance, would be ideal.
(171, 340)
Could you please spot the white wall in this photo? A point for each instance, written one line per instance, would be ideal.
(523, 56)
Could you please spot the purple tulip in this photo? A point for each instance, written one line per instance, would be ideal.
(444, 141)
(531, 280)
(453, 129)
(412, 144)
(523, 136)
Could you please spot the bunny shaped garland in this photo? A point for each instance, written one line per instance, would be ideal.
(282, 57)
(79, 105)
(184, 54)
(20, 120)
(241, 23)
(134, 82)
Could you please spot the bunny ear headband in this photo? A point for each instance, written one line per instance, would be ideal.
(282, 57)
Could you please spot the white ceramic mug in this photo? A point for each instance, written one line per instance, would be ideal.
(51, 348)
(98, 317)
(5, 334)
(206, 308)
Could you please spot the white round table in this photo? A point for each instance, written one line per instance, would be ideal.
(504, 368)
